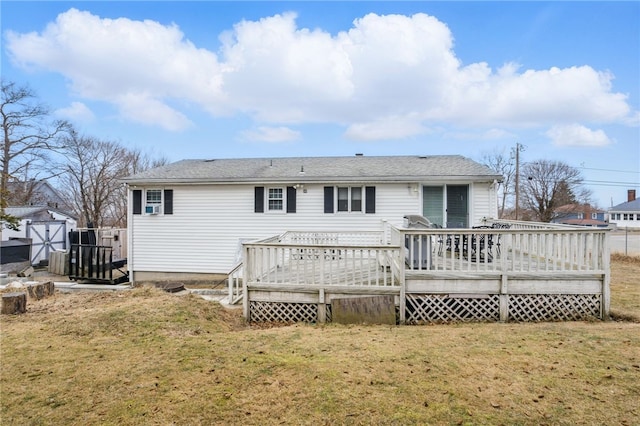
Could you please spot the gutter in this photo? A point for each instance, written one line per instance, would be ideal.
(315, 179)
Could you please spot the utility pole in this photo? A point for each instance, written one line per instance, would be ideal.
(518, 148)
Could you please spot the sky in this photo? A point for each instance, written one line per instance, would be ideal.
(213, 79)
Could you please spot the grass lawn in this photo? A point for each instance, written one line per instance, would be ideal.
(148, 357)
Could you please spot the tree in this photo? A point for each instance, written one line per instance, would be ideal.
(28, 136)
(503, 165)
(547, 185)
(92, 178)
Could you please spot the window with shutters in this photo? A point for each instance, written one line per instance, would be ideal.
(153, 201)
(275, 200)
(349, 199)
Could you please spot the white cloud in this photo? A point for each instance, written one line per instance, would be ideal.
(77, 112)
(577, 135)
(386, 77)
(271, 134)
(386, 128)
(151, 111)
(489, 134)
(123, 62)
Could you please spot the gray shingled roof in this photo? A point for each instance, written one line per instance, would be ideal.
(318, 169)
(629, 206)
(28, 211)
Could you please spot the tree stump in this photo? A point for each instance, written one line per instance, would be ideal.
(14, 303)
(38, 290)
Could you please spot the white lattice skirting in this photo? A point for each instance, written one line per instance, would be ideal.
(438, 308)
(554, 307)
(433, 308)
(283, 312)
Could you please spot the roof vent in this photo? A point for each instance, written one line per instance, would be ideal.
(359, 154)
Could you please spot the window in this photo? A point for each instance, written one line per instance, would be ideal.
(276, 199)
(580, 215)
(156, 201)
(343, 199)
(154, 196)
(350, 199)
(153, 201)
(638, 216)
(594, 216)
(356, 199)
(625, 216)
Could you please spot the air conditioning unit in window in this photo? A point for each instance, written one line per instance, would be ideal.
(152, 209)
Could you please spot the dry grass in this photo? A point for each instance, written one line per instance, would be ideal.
(625, 287)
(147, 357)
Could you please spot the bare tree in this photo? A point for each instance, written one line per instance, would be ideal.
(92, 178)
(547, 185)
(504, 165)
(28, 136)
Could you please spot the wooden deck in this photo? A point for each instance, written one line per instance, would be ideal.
(523, 275)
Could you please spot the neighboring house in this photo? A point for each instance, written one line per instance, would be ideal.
(626, 215)
(191, 217)
(581, 215)
(47, 227)
(35, 193)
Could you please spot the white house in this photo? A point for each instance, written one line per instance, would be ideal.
(189, 219)
(626, 215)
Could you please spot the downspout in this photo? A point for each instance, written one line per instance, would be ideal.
(130, 234)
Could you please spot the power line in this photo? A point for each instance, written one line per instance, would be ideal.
(614, 184)
(609, 170)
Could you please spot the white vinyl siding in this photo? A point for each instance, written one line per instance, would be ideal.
(483, 202)
(208, 223)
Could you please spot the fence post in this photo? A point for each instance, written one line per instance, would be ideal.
(322, 308)
(606, 279)
(248, 265)
(507, 244)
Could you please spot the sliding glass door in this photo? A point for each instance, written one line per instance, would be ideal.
(446, 205)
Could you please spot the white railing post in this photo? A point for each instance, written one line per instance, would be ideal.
(606, 264)
(247, 272)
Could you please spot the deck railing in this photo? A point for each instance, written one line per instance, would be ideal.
(95, 264)
(525, 225)
(361, 238)
(234, 281)
(506, 250)
(486, 273)
(323, 259)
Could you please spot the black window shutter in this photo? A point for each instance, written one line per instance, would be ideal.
(168, 201)
(259, 199)
(137, 201)
(291, 199)
(370, 194)
(328, 199)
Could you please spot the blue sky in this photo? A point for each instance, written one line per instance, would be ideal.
(268, 79)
